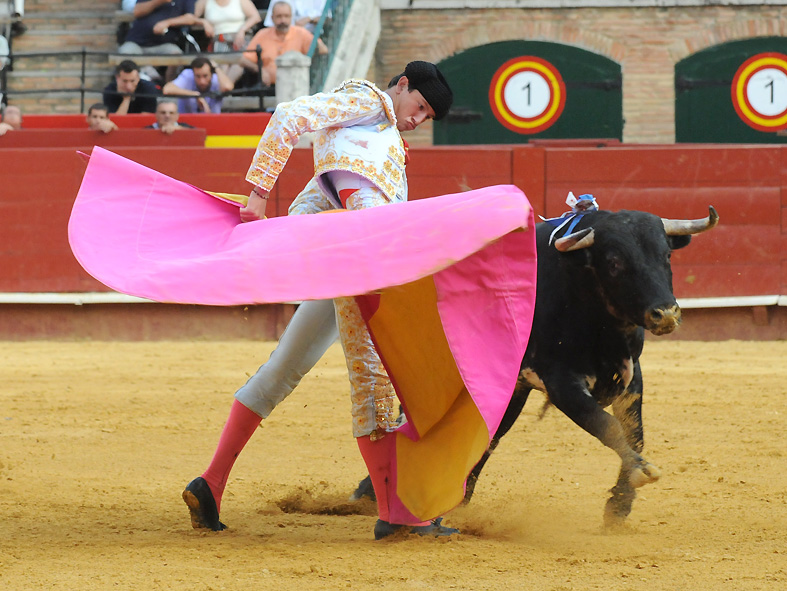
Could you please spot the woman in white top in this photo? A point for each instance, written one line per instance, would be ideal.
(230, 21)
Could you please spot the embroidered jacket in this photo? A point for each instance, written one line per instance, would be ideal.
(355, 129)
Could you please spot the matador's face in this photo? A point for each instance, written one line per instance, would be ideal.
(410, 107)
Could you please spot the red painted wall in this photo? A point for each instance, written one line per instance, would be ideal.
(745, 255)
(213, 124)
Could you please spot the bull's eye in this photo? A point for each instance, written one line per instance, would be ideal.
(614, 265)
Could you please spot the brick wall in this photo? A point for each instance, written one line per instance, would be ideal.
(647, 42)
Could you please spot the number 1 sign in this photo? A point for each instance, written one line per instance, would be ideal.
(759, 92)
(527, 94)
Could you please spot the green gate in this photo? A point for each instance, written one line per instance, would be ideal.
(513, 91)
(733, 93)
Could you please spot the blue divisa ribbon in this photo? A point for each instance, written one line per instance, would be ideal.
(569, 220)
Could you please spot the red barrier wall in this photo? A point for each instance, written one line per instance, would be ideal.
(745, 256)
(84, 138)
(213, 124)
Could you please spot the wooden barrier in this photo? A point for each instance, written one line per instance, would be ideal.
(212, 123)
(85, 138)
(230, 130)
(745, 257)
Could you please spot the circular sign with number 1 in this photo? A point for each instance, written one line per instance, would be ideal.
(759, 92)
(527, 94)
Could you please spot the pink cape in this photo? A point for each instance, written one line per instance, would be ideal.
(455, 277)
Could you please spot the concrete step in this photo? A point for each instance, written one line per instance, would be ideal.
(52, 62)
(55, 103)
(33, 7)
(95, 40)
(71, 20)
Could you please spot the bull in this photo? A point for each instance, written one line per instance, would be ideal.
(599, 288)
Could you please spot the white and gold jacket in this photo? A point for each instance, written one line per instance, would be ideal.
(355, 131)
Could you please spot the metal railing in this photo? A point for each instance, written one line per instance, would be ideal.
(329, 28)
(100, 59)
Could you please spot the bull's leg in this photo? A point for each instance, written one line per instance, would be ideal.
(365, 489)
(569, 393)
(628, 411)
(513, 411)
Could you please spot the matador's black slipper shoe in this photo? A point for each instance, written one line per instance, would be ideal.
(383, 529)
(202, 505)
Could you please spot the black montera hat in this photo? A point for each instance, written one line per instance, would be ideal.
(427, 79)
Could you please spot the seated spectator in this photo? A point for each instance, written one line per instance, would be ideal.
(231, 21)
(154, 29)
(128, 5)
(11, 119)
(203, 84)
(275, 41)
(98, 118)
(305, 13)
(128, 93)
(167, 117)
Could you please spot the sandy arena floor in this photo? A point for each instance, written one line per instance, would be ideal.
(97, 441)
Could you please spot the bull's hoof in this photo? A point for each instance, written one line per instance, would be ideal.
(365, 489)
(618, 506)
(614, 521)
(202, 505)
(644, 474)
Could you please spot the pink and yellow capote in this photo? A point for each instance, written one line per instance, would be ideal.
(446, 286)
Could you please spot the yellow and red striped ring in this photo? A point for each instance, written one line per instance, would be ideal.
(521, 124)
(741, 102)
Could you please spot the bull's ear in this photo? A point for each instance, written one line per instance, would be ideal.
(676, 242)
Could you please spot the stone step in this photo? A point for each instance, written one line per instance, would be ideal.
(50, 61)
(53, 21)
(55, 103)
(33, 7)
(67, 81)
(94, 40)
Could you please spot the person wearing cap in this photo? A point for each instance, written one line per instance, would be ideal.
(359, 162)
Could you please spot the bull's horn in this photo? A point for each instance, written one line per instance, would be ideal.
(684, 227)
(575, 241)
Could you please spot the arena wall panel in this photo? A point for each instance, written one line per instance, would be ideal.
(745, 256)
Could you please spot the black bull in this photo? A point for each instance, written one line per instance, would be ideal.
(598, 290)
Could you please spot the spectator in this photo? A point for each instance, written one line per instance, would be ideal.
(167, 117)
(203, 84)
(98, 118)
(128, 93)
(305, 13)
(14, 10)
(275, 41)
(128, 5)
(12, 119)
(232, 21)
(5, 55)
(5, 52)
(154, 29)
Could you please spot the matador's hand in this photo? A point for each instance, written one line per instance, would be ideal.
(255, 209)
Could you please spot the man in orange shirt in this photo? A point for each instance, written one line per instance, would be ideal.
(282, 37)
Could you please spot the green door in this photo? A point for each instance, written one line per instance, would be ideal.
(513, 91)
(733, 93)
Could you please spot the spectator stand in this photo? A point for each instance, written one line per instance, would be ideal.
(225, 130)
(248, 94)
(256, 99)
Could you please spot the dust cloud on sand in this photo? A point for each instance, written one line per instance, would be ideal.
(97, 441)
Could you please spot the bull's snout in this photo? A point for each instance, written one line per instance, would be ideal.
(662, 320)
